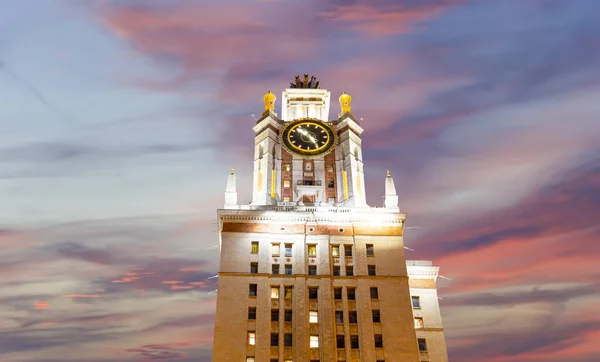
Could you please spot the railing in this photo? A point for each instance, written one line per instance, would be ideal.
(309, 182)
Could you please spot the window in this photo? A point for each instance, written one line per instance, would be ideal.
(286, 199)
(336, 270)
(376, 316)
(337, 293)
(249, 359)
(288, 292)
(274, 315)
(274, 292)
(287, 167)
(286, 183)
(372, 270)
(374, 293)
(287, 340)
(422, 345)
(351, 293)
(418, 322)
(352, 317)
(416, 302)
(275, 249)
(312, 270)
(370, 250)
(314, 341)
(287, 317)
(378, 341)
(275, 268)
(252, 338)
(335, 251)
(274, 339)
(312, 250)
(340, 342)
(313, 316)
(254, 248)
(339, 316)
(253, 268)
(354, 342)
(349, 270)
(313, 293)
(329, 167)
(252, 290)
(252, 313)
(348, 250)
(288, 249)
(288, 269)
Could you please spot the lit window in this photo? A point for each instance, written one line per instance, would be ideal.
(287, 167)
(313, 316)
(418, 322)
(286, 183)
(275, 249)
(249, 359)
(335, 251)
(286, 199)
(274, 292)
(330, 168)
(416, 302)
(312, 250)
(370, 250)
(288, 292)
(314, 341)
(378, 341)
(422, 345)
(288, 249)
(254, 247)
(251, 338)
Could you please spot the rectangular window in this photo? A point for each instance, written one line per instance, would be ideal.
(314, 341)
(275, 268)
(348, 250)
(416, 302)
(253, 268)
(378, 341)
(252, 338)
(351, 293)
(312, 250)
(288, 292)
(418, 322)
(288, 249)
(287, 340)
(349, 270)
(354, 342)
(339, 316)
(254, 248)
(275, 292)
(288, 269)
(249, 359)
(372, 270)
(340, 341)
(313, 316)
(252, 313)
(274, 315)
(287, 167)
(370, 250)
(376, 316)
(312, 270)
(286, 183)
(352, 317)
(335, 251)
(313, 293)
(252, 290)
(336, 270)
(287, 317)
(374, 293)
(275, 249)
(331, 184)
(337, 293)
(286, 199)
(329, 167)
(422, 345)
(274, 339)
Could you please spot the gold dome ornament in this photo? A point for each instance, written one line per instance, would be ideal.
(345, 103)
(269, 102)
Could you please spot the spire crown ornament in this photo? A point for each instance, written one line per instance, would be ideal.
(346, 103)
(269, 99)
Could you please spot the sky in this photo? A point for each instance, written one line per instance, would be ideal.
(120, 120)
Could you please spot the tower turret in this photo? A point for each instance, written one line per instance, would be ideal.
(230, 191)
(391, 198)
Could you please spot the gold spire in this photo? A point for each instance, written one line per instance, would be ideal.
(388, 173)
(345, 102)
(232, 170)
(269, 102)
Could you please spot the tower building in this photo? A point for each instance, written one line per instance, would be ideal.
(308, 271)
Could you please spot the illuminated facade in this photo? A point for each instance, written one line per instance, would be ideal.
(308, 271)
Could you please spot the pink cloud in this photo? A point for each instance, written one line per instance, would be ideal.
(41, 305)
(173, 282)
(179, 287)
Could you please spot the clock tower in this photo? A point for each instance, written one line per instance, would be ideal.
(308, 271)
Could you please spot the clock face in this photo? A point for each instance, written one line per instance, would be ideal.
(307, 137)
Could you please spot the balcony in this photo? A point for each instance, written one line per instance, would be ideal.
(308, 183)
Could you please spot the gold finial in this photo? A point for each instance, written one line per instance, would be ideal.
(345, 102)
(388, 173)
(232, 170)
(269, 102)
